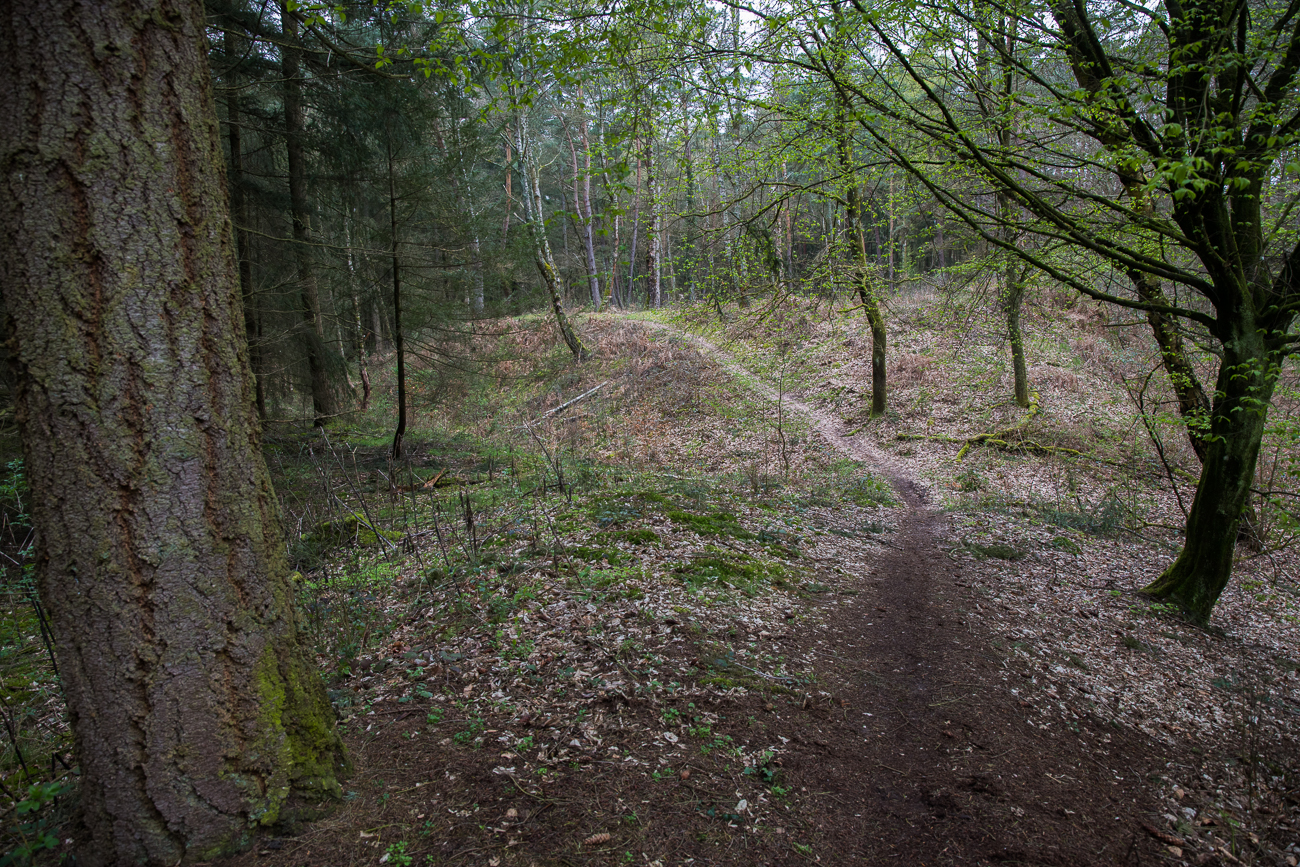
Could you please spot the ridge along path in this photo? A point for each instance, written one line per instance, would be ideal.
(924, 756)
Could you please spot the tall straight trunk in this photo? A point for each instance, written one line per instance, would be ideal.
(324, 401)
(541, 246)
(611, 217)
(398, 342)
(690, 237)
(582, 203)
(196, 713)
(360, 342)
(239, 217)
(510, 199)
(654, 255)
(564, 226)
(997, 82)
(636, 226)
(1012, 294)
(868, 291)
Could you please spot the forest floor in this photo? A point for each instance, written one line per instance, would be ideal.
(684, 604)
(773, 634)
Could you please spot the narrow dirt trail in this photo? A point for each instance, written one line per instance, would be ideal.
(925, 755)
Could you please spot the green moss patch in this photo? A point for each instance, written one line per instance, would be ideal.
(712, 524)
(328, 535)
(738, 570)
(595, 555)
(640, 536)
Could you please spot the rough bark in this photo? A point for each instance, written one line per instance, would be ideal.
(195, 712)
(1243, 390)
(324, 401)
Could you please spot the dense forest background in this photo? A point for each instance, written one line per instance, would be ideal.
(648, 153)
(405, 172)
(616, 363)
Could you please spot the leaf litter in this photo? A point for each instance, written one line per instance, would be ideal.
(597, 674)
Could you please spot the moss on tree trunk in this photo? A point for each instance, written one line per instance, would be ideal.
(195, 712)
(1243, 390)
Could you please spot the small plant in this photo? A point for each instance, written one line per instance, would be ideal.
(34, 827)
(968, 481)
(470, 734)
(396, 854)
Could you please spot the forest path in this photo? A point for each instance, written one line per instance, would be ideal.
(925, 755)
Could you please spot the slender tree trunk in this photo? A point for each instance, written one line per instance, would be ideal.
(1012, 294)
(541, 246)
(195, 712)
(324, 401)
(510, 199)
(611, 217)
(360, 341)
(1012, 299)
(582, 201)
(398, 342)
(1193, 404)
(239, 216)
(868, 292)
(636, 226)
(690, 239)
(654, 255)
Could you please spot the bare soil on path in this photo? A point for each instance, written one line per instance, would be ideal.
(923, 755)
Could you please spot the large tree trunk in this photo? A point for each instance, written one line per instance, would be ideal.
(195, 712)
(324, 401)
(1247, 376)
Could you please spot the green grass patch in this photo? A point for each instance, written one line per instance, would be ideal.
(869, 491)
